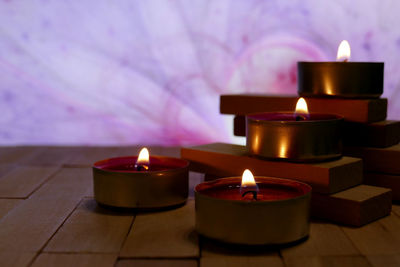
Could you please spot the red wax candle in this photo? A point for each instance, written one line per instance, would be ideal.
(279, 214)
(126, 182)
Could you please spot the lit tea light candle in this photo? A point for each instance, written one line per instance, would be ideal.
(342, 78)
(297, 136)
(253, 211)
(143, 182)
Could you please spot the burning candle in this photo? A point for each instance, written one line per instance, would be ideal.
(342, 78)
(253, 211)
(297, 136)
(143, 182)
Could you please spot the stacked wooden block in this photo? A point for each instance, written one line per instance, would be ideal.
(338, 194)
(366, 132)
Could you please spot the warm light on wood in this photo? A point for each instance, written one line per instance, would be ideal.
(343, 53)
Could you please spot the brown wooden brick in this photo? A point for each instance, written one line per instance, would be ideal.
(166, 234)
(383, 160)
(381, 237)
(231, 160)
(384, 180)
(75, 260)
(324, 240)
(242, 261)
(156, 263)
(356, 206)
(7, 205)
(331, 261)
(358, 110)
(22, 181)
(104, 230)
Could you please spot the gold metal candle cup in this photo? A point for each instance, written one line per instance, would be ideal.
(297, 141)
(144, 189)
(340, 79)
(269, 222)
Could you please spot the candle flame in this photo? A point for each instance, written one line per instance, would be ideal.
(143, 158)
(343, 53)
(248, 179)
(301, 106)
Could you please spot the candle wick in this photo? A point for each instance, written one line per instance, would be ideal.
(141, 167)
(251, 191)
(300, 118)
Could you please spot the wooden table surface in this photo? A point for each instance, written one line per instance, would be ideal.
(48, 217)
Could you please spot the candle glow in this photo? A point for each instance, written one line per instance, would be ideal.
(343, 53)
(301, 106)
(143, 159)
(248, 184)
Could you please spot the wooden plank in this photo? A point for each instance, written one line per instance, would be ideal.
(378, 134)
(104, 231)
(355, 206)
(6, 205)
(233, 261)
(29, 226)
(167, 234)
(156, 263)
(76, 260)
(396, 209)
(331, 261)
(16, 259)
(89, 155)
(231, 160)
(384, 180)
(358, 110)
(51, 156)
(324, 240)
(6, 168)
(17, 154)
(22, 181)
(386, 260)
(378, 238)
(384, 160)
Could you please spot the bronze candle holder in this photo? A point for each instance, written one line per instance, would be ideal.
(117, 184)
(264, 222)
(340, 79)
(317, 137)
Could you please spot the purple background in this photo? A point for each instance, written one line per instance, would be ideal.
(151, 72)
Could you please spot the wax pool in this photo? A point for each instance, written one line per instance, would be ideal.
(269, 189)
(127, 164)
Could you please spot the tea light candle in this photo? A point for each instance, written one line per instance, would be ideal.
(260, 211)
(297, 136)
(341, 79)
(144, 182)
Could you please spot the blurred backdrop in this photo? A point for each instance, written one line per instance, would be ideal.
(151, 72)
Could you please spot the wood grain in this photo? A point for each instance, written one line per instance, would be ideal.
(233, 261)
(378, 238)
(383, 160)
(104, 230)
(17, 154)
(384, 261)
(331, 261)
(167, 234)
(16, 259)
(22, 181)
(75, 260)
(29, 225)
(355, 206)
(357, 110)
(231, 160)
(7, 205)
(156, 263)
(324, 240)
